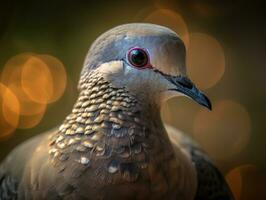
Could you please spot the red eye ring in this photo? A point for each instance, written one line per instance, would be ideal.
(139, 58)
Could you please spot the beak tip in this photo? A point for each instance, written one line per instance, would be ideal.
(209, 107)
(207, 103)
(185, 86)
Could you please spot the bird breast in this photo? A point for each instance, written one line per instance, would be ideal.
(107, 143)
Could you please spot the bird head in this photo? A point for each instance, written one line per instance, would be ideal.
(146, 59)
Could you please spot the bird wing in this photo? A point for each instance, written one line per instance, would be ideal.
(11, 172)
(211, 183)
(8, 186)
(15, 177)
(17, 173)
(12, 168)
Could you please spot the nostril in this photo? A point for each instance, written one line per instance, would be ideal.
(185, 82)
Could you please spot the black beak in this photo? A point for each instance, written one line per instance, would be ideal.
(184, 85)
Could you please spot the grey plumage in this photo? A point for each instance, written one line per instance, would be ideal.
(113, 44)
(113, 145)
(8, 187)
(211, 183)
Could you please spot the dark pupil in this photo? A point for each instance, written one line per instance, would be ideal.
(138, 58)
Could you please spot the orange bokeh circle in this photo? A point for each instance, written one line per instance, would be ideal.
(43, 79)
(225, 131)
(170, 19)
(36, 80)
(205, 60)
(8, 119)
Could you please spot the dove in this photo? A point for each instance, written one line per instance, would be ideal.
(114, 144)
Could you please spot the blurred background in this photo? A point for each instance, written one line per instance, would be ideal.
(43, 45)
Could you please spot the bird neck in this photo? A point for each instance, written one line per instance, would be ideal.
(108, 118)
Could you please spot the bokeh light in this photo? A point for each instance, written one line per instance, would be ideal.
(8, 119)
(12, 77)
(225, 131)
(58, 75)
(247, 182)
(29, 121)
(170, 19)
(234, 180)
(179, 112)
(43, 78)
(205, 60)
(36, 80)
(27, 107)
(13, 67)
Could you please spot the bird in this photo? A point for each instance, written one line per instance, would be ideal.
(114, 144)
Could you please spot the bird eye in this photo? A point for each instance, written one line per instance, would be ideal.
(138, 57)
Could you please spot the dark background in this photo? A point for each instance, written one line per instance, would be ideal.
(65, 29)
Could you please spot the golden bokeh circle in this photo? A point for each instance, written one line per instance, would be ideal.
(43, 79)
(27, 106)
(170, 19)
(13, 67)
(234, 180)
(36, 80)
(12, 77)
(247, 182)
(225, 131)
(205, 60)
(30, 121)
(8, 119)
(58, 75)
